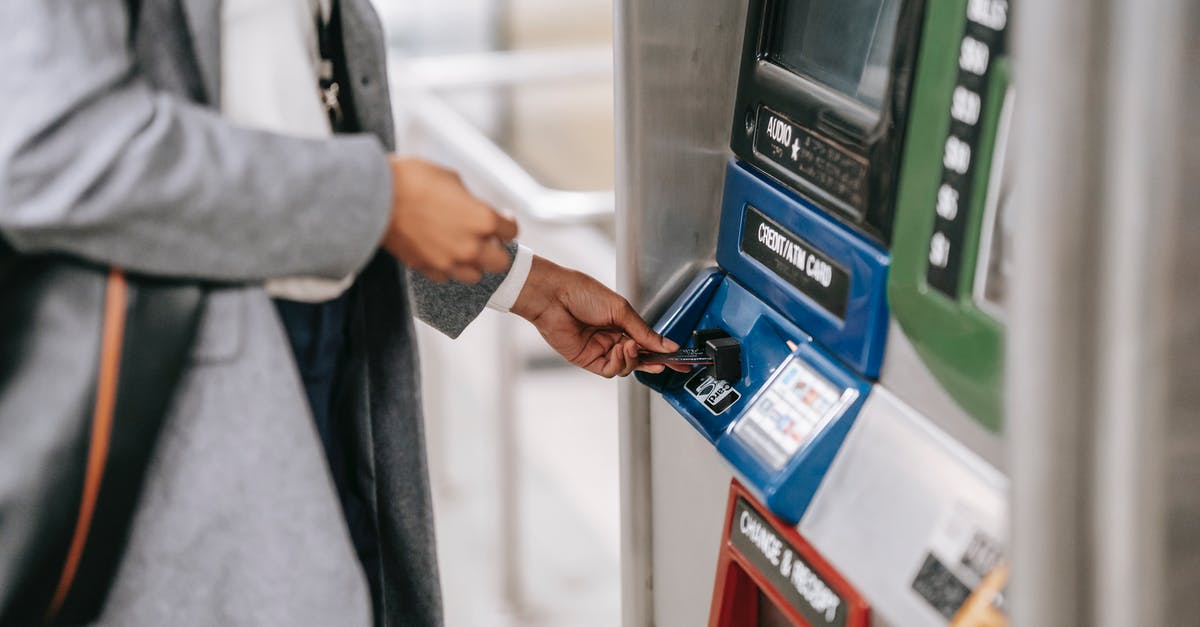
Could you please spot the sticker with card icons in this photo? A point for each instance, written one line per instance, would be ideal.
(716, 395)
(789, 410)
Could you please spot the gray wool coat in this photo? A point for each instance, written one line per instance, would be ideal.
(110, 151)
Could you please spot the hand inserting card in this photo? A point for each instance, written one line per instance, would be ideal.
(714, 349)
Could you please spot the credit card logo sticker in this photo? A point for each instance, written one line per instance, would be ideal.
(716, 395)
(783, 418)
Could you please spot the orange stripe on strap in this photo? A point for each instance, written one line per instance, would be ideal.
(115, 299)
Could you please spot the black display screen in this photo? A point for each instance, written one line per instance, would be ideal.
(845, 45)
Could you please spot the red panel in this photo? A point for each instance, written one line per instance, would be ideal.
(738, 581)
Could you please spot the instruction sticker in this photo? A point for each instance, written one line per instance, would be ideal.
(961, 554)
(716, 395)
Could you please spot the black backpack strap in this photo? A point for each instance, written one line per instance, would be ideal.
(85, 501)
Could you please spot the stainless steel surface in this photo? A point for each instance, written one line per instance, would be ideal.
(905, 375)
(509, 445)
(1141, 175)
(676, 65)
(690, 485)
(899, 489)
(1052, 328)
(1183, 394)
(1098, 209)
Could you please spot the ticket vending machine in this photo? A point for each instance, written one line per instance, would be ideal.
(823, 192)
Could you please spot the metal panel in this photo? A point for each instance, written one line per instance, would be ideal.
(905, 375)
(676, 72)
(1183, 394)
(1100, 215)
(899, 490)
(690, 486)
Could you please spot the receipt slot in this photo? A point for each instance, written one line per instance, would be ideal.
(769, 576)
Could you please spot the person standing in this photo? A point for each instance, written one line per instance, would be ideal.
(178, 139)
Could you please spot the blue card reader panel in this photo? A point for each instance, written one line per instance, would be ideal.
(781, 424)
(827, 278)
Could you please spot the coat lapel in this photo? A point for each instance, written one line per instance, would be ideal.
(204, 23)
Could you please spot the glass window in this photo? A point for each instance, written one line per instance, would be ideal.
(843, 44)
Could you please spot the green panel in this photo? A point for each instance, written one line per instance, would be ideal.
(961, 344)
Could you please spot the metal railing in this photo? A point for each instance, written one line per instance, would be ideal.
(417, 88)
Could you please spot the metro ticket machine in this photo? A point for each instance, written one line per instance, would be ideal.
(858, 233)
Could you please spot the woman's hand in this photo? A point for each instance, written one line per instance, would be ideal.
(590, 325)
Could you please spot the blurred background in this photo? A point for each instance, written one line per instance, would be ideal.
(518, 96)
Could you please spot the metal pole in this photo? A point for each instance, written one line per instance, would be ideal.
(1097, 208)
(1138, 215)
(511, 546)
(637, 572)
(1051, 350)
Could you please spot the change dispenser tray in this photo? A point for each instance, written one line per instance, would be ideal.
(781, 423)
(826, 277)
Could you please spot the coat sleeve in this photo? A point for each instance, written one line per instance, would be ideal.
(96, 163)
(449, 307)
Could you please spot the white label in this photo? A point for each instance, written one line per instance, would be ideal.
(947, 202)
(973, 56)
(958, 155)
(965, 106)
(816, 268)
(939, 250)
(990, 13)
(968, 546)
(779, 131)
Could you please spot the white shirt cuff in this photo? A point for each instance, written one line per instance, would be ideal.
(506, 295)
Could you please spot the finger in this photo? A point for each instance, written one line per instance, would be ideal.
(485, 220)
(600, 366)
(506, 227)
(651, 368)
(611, 362)
(433, 275)
(494, 256)
(629, 357)
(632, 324)
(466, 274)
(468, 250)
(615, 363)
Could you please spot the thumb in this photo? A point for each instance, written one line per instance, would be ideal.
(632, 324)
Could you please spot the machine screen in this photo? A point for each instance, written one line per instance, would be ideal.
(788, 411)
(843, 44)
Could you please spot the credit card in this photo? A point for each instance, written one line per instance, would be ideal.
(687, 356)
